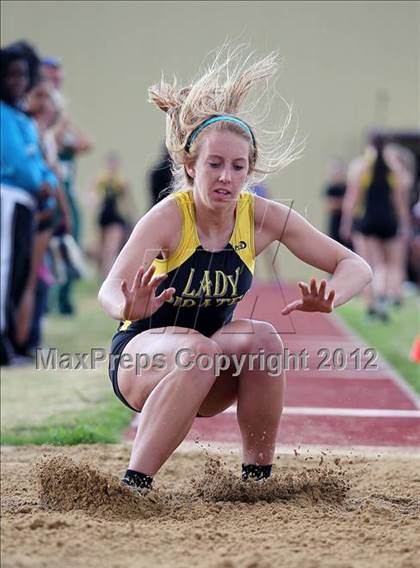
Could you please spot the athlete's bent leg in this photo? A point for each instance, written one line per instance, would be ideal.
(111, 245)
(368, 292)
(396, 258)
(375, 248)
(168, 398)
(260, 389)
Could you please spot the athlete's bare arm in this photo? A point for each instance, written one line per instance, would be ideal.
(398, 160)
(276, 222)
(354, 178)
(158, 231)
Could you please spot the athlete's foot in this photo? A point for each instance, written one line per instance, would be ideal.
(396, 302)
(138, 482)
(371, 314)
(253, 472)
(383, 300)
(140, 491)
(377, 313)
(382, 310)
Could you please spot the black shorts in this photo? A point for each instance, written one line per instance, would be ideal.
(110, 216)
(385, 228)
(118, 344)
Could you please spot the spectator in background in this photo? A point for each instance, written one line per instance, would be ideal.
(161, 178)
(71, 142)
(334, 196)
(26, 180)
(113, 192)
(52, 70)
(376, 213)
(44, 107)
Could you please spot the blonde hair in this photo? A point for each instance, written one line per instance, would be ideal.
(224, 88)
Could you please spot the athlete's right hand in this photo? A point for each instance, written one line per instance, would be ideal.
(140, 301)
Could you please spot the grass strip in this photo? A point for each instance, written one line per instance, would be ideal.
(393, 340)
(105, 424)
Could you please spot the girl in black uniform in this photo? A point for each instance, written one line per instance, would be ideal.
(334, 195)
(112, 190)
(190, 260)
(376, 212)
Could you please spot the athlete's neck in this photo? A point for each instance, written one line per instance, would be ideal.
(214, 227)
(211, 222)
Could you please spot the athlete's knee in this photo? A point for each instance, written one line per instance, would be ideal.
(198, 355)
(199, 345)
(263, 337)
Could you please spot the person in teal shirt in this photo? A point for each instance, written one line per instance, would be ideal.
(27, 185)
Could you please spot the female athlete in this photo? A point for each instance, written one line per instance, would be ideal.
(190, 260)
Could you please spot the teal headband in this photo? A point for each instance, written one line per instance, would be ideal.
(212, 120)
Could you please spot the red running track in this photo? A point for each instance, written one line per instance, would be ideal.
(355, 400)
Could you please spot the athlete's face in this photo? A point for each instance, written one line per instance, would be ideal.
(222, 166)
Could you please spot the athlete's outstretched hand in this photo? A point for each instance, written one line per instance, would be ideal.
(313, 299)
(140, 301)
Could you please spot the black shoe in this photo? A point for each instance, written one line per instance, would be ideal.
(25, 351)
(66, 310)
(371, 314)
(6, 351)
(377, 313)
(383, 316)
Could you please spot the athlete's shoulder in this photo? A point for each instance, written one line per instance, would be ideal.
(247, 196)
(245, 204)
(358, 167)
(164, 219)
(120, 181)
(264, 206)
(402, 164)
(167, 210)
(101, 180)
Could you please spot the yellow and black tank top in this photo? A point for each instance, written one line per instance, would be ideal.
(111, 186)
(377, 184)
(375, 215)
(208, 285)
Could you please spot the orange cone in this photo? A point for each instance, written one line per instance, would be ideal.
(415, 350)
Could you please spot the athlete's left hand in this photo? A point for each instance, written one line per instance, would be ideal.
(313, 299)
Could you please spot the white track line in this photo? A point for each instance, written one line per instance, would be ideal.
(357, 412)
(320, 411)
(324, 411)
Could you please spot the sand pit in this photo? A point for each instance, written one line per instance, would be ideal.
(66, 507)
